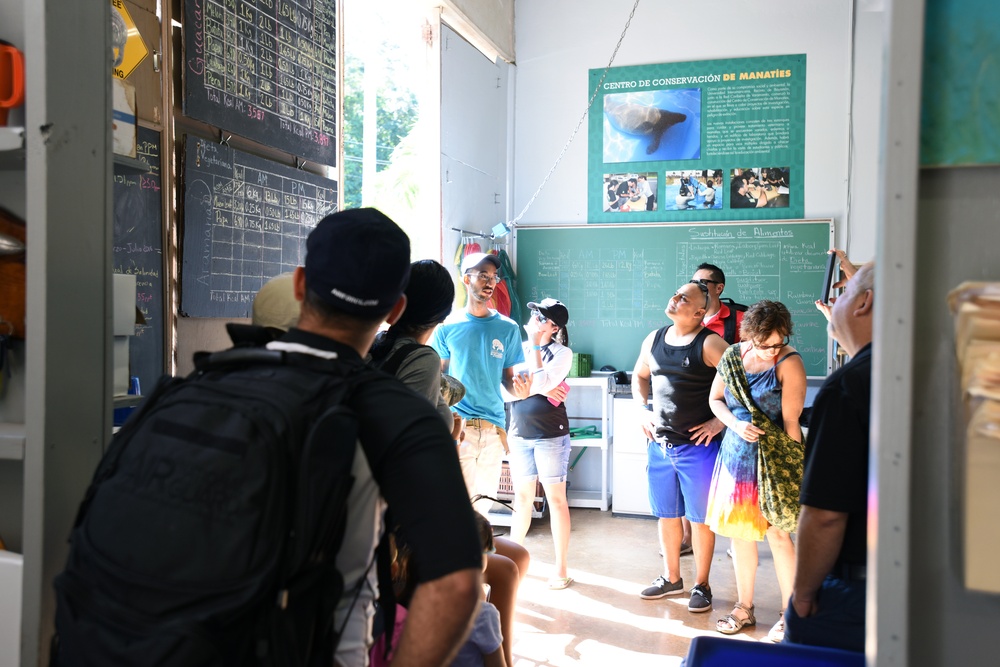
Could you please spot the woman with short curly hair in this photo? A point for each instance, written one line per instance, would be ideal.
(777, 385)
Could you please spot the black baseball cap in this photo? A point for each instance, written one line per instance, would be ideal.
(551, 309)
(358, 261)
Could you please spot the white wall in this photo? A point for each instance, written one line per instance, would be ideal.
(558, 42)
(474, 126)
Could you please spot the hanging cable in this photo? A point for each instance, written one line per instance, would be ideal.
(572, 136)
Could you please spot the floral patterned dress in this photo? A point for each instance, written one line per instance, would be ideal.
(733, 508)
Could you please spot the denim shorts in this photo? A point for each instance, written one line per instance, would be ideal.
(544, 458)
(680, 477)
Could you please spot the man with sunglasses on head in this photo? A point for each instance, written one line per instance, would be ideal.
(677, 365)
(480, 347)
(722, 316)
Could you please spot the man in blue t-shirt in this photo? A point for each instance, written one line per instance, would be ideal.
(480, 347)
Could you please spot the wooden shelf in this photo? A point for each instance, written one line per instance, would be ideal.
(12, 439)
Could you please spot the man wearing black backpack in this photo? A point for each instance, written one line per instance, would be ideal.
(231, 522)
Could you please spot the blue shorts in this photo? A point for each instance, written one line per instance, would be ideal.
(679, 479)
(546, 459)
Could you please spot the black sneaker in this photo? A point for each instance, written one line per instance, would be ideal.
(701, 598)
(661, 588)
(686, 549)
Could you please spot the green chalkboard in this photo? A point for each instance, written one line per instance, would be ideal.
(616, 279)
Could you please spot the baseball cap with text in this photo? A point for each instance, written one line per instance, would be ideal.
(358, 261)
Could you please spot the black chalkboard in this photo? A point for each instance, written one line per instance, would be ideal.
(616, 279)
(138, 251)
(265, 70)
(246, 220)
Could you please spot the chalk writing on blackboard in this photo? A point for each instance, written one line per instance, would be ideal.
(265, 69)
(137, 248)
(616, 281)
(246, 220)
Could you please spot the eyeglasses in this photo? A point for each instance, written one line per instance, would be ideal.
(488, 278)
(538, 316)
(768, 348)
(706, 281)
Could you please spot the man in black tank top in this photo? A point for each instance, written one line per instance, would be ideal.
(678, 363)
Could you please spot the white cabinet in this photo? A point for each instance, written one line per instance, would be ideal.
(629, 481)
(589, 404)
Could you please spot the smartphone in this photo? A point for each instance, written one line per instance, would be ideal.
(564, 386)
(831, 270)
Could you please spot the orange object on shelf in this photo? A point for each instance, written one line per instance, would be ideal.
(11, 80)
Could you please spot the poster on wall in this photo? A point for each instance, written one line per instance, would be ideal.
(706, 140)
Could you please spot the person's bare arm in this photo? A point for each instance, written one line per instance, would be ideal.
(508, 380)
(439, 619)
(712, 352)
(495, 659)
(444, 365)
(792, 377)
(717, 401)
(641, 385)
(820, 536)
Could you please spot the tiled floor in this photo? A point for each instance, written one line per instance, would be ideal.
(600, 620)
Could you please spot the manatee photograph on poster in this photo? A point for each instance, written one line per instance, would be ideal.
(705, 140)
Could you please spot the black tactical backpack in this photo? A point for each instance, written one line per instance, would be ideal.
(209, 533)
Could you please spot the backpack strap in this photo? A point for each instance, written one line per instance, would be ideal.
(241, 357)
(729, 324)
(396, 359)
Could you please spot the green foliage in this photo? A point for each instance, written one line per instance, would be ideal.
(396, 115)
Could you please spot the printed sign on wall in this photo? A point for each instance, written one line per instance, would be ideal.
(708, 140)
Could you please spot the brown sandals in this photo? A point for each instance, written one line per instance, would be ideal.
(730, 624)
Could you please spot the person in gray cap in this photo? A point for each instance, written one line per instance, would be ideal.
(480, 347)
(357, 266)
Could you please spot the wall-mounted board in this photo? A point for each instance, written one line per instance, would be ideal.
(246, 220)
(138, 251)
(616, 279)
(265, 70)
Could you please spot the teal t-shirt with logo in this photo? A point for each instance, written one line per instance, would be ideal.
(478, 349)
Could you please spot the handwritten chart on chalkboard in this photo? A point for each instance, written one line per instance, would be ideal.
(246, 220)
(265, 70)
(138, 251)
(616, 280)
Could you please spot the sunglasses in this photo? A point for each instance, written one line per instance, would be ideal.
(706, 282)
(538, 316)
(488, 278)
(768, 348)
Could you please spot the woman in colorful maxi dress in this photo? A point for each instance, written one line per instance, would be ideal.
(777, 380)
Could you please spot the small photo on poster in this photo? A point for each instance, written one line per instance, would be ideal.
(693, 190)
(628, 193)
(653, 125)
(759, 187)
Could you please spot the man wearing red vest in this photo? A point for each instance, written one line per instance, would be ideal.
(724, 318)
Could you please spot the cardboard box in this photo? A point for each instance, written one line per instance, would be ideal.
(123, 117)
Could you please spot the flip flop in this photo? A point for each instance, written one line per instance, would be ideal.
(560, 583)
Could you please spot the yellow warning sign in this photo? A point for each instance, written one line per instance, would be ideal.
(127, 47)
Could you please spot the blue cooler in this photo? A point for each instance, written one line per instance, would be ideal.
(722, 652)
